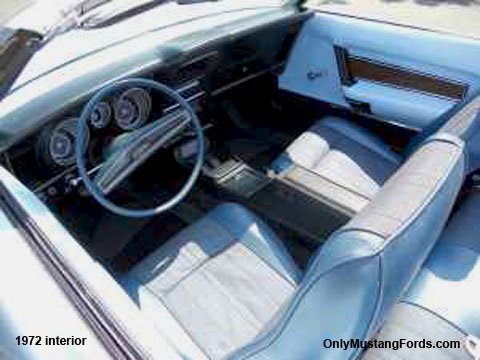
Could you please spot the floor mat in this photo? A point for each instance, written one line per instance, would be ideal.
(149, 238)
(300, 248)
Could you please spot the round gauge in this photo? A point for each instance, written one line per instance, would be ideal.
(101, 115)
(61, 146)
(62, 142)
(132, 108)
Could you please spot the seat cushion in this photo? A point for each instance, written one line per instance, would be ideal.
(222, 279)
(362, 270)
(352, 162)
(449, 282)
(412, 323)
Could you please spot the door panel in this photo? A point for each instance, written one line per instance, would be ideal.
(410, 109)
(402, 75)
(355, 69)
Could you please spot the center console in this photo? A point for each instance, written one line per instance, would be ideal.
(276, 198)
(238, 178)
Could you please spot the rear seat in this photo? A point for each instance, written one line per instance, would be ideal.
(449, 282)
(443, 303)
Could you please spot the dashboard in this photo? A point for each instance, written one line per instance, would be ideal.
(129, 110)
(45, 159)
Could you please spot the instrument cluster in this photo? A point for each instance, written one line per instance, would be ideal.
(46, 160)
(127, 111)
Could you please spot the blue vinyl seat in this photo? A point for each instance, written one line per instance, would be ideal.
(344, 165)
(449, 283)
(442, 304)
(225, 287)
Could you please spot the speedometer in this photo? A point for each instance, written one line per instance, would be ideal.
(57, 144)
(61, 147)
(132, 108)
(101, 115)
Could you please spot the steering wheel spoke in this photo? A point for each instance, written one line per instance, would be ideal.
(137, 147)
(130, 150)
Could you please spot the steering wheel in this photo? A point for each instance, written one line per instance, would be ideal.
(138, 146)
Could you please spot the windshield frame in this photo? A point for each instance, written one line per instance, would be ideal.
(70, 24)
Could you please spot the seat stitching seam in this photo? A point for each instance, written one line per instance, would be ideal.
(457, 118)
(242, 309)
(221, 288)
(403, 326)
(332, 182)
(174, 315)
(199, 266)
(422, 334)
(278, 272)
(458, 328)
(370, 149)
(429, 198)
(269, 296)
(336, 172)
(175, 248)
(270, 337)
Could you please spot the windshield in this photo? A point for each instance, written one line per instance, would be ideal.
(43, 15)
(10, 8)
(117, 21)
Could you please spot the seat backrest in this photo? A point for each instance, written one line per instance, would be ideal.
(463, 121)
(363, 268)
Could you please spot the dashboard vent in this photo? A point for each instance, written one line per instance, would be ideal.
(196, 68)
(191, 91)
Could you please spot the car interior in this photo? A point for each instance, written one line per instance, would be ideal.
(326, 169)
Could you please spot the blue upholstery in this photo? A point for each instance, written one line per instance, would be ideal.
(361, 271)
(449, 283)
(463, 121)
(350, 163)
(334, 133)
(435, 126)
(251, 231)
(221, 279)
(234, 289)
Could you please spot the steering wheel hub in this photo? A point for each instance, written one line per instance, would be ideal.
(137, 146)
